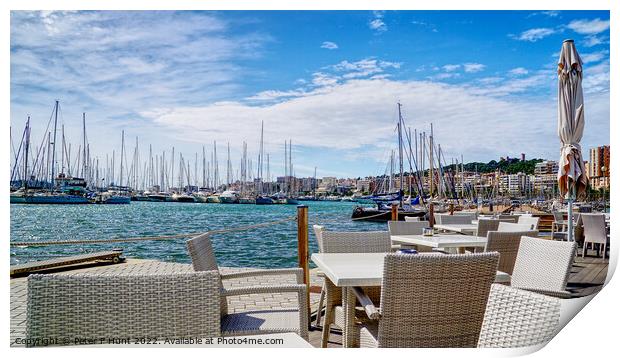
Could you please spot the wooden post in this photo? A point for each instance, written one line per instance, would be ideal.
(431, 214)
(451, 208)
(302, 249)
(394, 212)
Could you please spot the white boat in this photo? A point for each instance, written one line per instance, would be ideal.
(183, 198)
(229, 197)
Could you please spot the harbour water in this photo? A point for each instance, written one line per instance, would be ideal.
(265, 247)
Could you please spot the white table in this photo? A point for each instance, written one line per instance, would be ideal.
(359, 269)
(466, 229)
(440, 241)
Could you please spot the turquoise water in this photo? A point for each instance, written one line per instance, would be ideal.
(268, 247)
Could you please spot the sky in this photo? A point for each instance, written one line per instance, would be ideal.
(329, 81)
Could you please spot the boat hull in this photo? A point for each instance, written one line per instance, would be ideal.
(368, 214)
(264, 201)
(50, 199)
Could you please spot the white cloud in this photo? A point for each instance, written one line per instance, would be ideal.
(474, 67)
(593, 57)
(590, 41)
(323, 79)
(518, 71)
(450, 68)
(533, 35)
(354, 116)
(377, 24)
(589, 27)
(329, 45)
(363, 68)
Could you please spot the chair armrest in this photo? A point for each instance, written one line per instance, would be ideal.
(237, 291)
(558, 294)
(298, 272)
(369, 307)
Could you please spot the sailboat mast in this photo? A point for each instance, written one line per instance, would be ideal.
(400, 154)
(27, 149)
(54, 145)
(83, 174)
(122, 153)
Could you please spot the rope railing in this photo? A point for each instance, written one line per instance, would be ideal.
(153, 238)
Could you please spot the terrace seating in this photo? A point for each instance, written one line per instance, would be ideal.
(420, 308)
(318, 232)
(517, 318)
(107, 307)
(455, 219)
(529, 220)
(543, 266)
(412, 218)
(595, 232)
(407, 228)
(253, 322)
(505, 217)
(507, 244)
(348, 242)
(510, 227)
(559, 225)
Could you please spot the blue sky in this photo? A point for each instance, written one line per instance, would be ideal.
(327, 80)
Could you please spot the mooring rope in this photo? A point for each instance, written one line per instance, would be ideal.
(152, 238)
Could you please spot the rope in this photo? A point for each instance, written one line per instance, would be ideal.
(152, 238)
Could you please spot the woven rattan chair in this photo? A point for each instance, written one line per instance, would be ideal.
(559, 226)
(430, 301)
(348, 242)
(505, 217)
(543, 266)
(93, 309)
(407, 227)
(486, 225)
(507, 244)
(517, 318)
(455, 219)
(253, 322)
(594, 231)
(510, 227)
(318, 232)
(412, 218)
(532, 221)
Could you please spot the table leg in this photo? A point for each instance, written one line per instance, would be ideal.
(348, 305)
(461, 250)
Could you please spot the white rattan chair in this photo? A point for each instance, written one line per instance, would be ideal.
(424, 309)
(507, 244)
(532, 221)
(318, 232)
(348, 242)
(94, 309)
(412, 218)
(543, 266)
(594, 231)
(253, 322)
(517, 318)
(407, 228)
(455, 219)
(486, 225)
(559, 226)
(510, 227)
(506, 217)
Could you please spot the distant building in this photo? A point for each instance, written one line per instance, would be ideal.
(546, 167)
(598, 167)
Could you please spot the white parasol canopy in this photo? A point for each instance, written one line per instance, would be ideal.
(571, 173)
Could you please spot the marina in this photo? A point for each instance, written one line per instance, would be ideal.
(208, 187)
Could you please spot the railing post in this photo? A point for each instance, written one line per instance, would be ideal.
(451, 208)
(394, 212)
(302, 249)
(431, 214)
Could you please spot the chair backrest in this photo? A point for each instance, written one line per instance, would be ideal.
(352, 242)
(558, 216)
(318, 232)
(472, 214)
(407, 227)
(529, 220)
(512, 218)
(594, 229)
(510, 227)
(412, 218)
(456, 219)
(486, 225)
(507, 244)
(421, 308)
(203, 259)
(106, 307)
(517, 318)
(543, 265)
(202, 254)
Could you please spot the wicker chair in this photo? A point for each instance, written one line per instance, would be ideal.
(506, 217)
(348, 242)
(486, 225)
(507, 244)
(93, 309)
(412, 218)
(455, 219)
(430, 301)
(257, 322)
(543, 266)
(559, 226)
(532, 221)
(594, 231)
(318, 232)
(510, 227)
(407, 227)
(517, 318)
